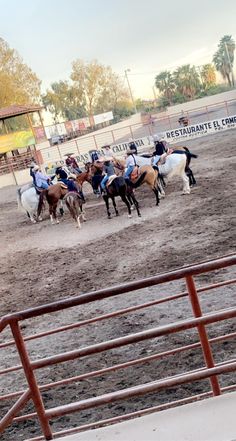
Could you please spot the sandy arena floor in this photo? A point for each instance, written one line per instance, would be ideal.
(43, 263)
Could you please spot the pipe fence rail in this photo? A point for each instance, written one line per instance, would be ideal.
(30, 363)
(116, 136)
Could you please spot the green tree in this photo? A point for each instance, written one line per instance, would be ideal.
(100, 87)
(187, 81)
(165, 83)
(19, 84)
(65, 100)
(224, 58)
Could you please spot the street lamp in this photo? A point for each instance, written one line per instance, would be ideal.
(130, 91)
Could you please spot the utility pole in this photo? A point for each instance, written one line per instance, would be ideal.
(130, 91)
(229, 61)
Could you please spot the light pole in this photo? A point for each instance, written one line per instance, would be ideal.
(130, 91)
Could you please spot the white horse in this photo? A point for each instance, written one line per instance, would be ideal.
(174, 166)
(28, 200)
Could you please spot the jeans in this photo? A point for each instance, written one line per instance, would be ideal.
(44, 185)
(103, 182)
(156, 159)
(128, 171)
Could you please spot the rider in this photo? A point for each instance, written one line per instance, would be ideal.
(130, 163)
(107, 151)
(41, 180)
(109, 170)
(72, 164)
(73, 185)
(161, 151)
(132, 146)
(61, 174)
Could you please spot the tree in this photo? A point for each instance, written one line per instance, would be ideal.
(101, 88)
(224, 58)
(165, 83)
(19, 84)
(208, 76)
(65, 100)
(187, 81)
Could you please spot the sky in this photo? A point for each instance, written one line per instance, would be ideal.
(143, 36)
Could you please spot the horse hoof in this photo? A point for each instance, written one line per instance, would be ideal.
(40, 219)
(129, 216)
(139, 215)
(117, 214)
(131, 208)
(33, 221)
(186, 192)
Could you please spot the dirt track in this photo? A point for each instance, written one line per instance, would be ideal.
(43, 263)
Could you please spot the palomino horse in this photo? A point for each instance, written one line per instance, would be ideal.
(74, 204)
(151, 176)
(117, 187)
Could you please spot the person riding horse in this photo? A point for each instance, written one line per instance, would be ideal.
(40, 180)
(109, 170)
(72, 164)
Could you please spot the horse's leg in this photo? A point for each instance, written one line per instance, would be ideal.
(114, 205)
(125, 200)
(134, 200)
(30, 215)
(106, 199)
(83, 213)
(156, 192)
(131, 201)
(61, 209)
(186, 187)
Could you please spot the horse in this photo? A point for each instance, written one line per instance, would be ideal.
(28, 198)
(174, 165)
(117, 186)
(74, 204)
(151, 177)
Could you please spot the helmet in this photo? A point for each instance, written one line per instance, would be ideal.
(130, 152)
(158, 137)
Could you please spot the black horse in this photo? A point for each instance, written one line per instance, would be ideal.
(120, 187)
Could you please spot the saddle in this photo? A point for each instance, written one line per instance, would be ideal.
(135, 173)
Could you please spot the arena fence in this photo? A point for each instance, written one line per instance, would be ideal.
(119, 137)
(30, 363)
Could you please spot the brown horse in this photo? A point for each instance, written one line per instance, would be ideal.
(74, 204)
(151, 176)
(57, 192)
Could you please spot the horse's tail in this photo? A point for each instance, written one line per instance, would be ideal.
(190, 154)
(41, 201)
(139, 180)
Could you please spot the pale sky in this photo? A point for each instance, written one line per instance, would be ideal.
(144, 36)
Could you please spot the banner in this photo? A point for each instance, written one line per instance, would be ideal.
(201, 129)
(17, 140)
(103, 117)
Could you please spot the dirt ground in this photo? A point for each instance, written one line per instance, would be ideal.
(43, 263)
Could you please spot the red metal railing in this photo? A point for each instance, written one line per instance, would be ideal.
(209, 370)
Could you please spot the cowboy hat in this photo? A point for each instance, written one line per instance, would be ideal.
(36, 167)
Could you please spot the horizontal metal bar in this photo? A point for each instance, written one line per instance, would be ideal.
(134, 338)
(138, 390)
(120, 289)
(118, 312)
(120, 366)
(131, 415)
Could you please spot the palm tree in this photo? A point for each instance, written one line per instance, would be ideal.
(187, 81)
(164, 82)
(208, 76)
(224, 58)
